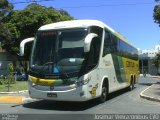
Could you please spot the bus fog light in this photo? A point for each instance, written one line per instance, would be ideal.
(79, 83)
(81, 93)
(33, 84)
(86, 81)
(72, 86)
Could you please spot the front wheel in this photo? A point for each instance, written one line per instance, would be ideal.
(104, 94)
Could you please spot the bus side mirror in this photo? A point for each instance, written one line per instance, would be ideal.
(23, 43)
(88, 40)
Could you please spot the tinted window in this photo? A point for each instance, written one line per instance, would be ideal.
(114, 45)
(93, 55)
(110, 43)
(126, 50)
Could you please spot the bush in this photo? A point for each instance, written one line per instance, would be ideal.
(6, 81)
(10, 71)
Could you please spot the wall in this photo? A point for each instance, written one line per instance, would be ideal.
(5, 58)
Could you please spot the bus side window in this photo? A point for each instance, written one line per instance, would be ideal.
(110, 44)
(93, 55)
(114, 44)
(107, 44)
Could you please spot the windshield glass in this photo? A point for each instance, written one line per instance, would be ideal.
(58, 52)
(45, 43)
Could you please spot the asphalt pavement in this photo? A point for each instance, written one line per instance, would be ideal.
(150, 93)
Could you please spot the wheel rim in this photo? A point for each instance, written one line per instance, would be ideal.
(104, 92)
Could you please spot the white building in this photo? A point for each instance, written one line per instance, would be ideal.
(146, 57)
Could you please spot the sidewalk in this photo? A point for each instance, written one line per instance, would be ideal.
(152, 76)
(152, 92)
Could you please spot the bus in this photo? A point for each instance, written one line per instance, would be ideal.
(79, 60)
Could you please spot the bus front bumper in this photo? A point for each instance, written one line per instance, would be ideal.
(76, 94)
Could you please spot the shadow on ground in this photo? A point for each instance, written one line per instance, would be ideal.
(70, 106)
(146, 84)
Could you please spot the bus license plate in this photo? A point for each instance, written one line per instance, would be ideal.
(51, 94)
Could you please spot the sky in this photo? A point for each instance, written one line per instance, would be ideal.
(131, 18)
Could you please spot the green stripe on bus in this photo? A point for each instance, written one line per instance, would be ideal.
(119, 68)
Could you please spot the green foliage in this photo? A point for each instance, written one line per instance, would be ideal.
(28, 21)
(156, 13)
(5, 34)
(7, 81)
(24, 23)
(5, 9)
(18, 86)
(10, 68)
(157, 0)
(10, 71)
(157, 61)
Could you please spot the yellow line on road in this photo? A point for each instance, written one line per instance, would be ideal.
(11, 99)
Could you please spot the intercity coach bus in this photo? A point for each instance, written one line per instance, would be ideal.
(80, 60)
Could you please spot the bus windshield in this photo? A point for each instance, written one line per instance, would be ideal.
(58, 52)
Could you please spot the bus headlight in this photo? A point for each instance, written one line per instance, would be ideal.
(33, 84)
(82, 82)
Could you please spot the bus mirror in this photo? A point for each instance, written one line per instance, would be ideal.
(88, 40)
(23, 43)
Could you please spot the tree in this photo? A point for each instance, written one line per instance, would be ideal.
(5, 34)
(157, 1)
(5, 9)
(25, 23)
(157, 62)
(156, 14)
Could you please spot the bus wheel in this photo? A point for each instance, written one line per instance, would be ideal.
(131, 87)
(104, 94)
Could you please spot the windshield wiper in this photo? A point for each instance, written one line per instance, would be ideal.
(41, 70)
(35, 73)
(48, 63)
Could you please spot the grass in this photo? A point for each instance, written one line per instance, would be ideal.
(18, 86)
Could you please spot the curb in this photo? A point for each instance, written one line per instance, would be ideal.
(16, 100)
(28, 99)
(155, 77)
(11, 99)
(24, 98)
(17, 92)
(142, 95)
(150, 76)
(158, 77)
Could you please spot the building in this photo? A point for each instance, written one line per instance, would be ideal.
(5, 59)
(146, 60)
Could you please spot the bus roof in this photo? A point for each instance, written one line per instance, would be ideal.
(81, 23)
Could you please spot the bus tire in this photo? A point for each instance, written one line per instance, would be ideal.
(104, 93)
(131, 87)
